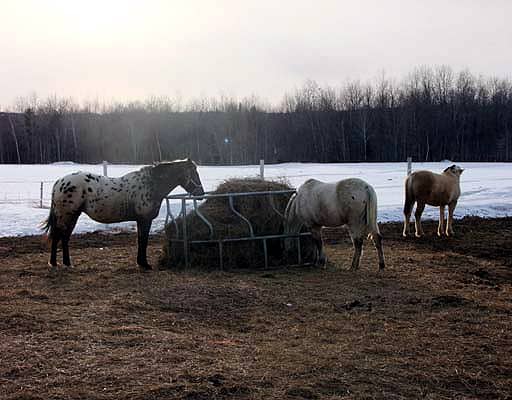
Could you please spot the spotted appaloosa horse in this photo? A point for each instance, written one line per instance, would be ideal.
(136, 196)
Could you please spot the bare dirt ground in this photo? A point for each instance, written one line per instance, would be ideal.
(437, 324)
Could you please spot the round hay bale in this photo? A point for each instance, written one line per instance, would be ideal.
(259, 210)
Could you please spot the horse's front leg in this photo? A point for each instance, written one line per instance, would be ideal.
(143, 227)
(316, 234)
(440, 229)
(449, 221)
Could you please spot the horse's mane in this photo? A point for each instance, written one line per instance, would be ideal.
(173, 162)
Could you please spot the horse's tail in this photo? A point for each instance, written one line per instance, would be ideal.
(289, 211)
(371, 211)
(289, 220)
(49, 224)
(409, 196)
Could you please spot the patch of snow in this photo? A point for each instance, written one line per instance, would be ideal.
(486, 189)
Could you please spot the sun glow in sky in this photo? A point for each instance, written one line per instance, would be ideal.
(135, 49)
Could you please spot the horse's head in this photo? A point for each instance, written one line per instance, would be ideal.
(174, 173)
(190, 178)
(454, 170)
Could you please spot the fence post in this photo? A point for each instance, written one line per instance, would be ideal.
(105, 168)
(41, 196)
(262, 169)
(409, 165)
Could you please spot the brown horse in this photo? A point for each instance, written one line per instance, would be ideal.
(440, 190)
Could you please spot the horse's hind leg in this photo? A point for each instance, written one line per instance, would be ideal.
(420, 206)
(65, 240)
(407, 216)
(377, 241)
(358, 249)
(55, 237)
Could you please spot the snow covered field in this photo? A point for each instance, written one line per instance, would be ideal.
(486, 188)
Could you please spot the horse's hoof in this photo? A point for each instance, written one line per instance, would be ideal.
(145, 268)
(53, 267)
(381, 266)
(418, 235)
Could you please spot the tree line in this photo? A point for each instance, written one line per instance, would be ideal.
(433, 114)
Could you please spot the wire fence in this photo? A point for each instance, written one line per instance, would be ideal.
(37, 193)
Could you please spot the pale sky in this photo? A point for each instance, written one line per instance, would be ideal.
(129, 50)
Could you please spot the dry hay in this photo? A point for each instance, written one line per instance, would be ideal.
(259, 210)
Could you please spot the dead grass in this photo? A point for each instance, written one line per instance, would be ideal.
(436, 324)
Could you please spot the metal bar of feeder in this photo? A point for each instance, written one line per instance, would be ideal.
(273, 205)
(232, 206)
(299, 255)
(185, 238)
(171, 216)
(244, 239)
(221, 259)
(168, 208)
(265, 252)
(203, 218)
(235, 194)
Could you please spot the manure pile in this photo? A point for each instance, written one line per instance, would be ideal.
(259, 210)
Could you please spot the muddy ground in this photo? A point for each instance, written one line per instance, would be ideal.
(437, 324)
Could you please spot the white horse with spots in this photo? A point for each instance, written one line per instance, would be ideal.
(350, 202)
(136, 196)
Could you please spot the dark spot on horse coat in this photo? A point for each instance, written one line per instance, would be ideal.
(353, 198)
(89, 190)
(87, 180)
(69, 196)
